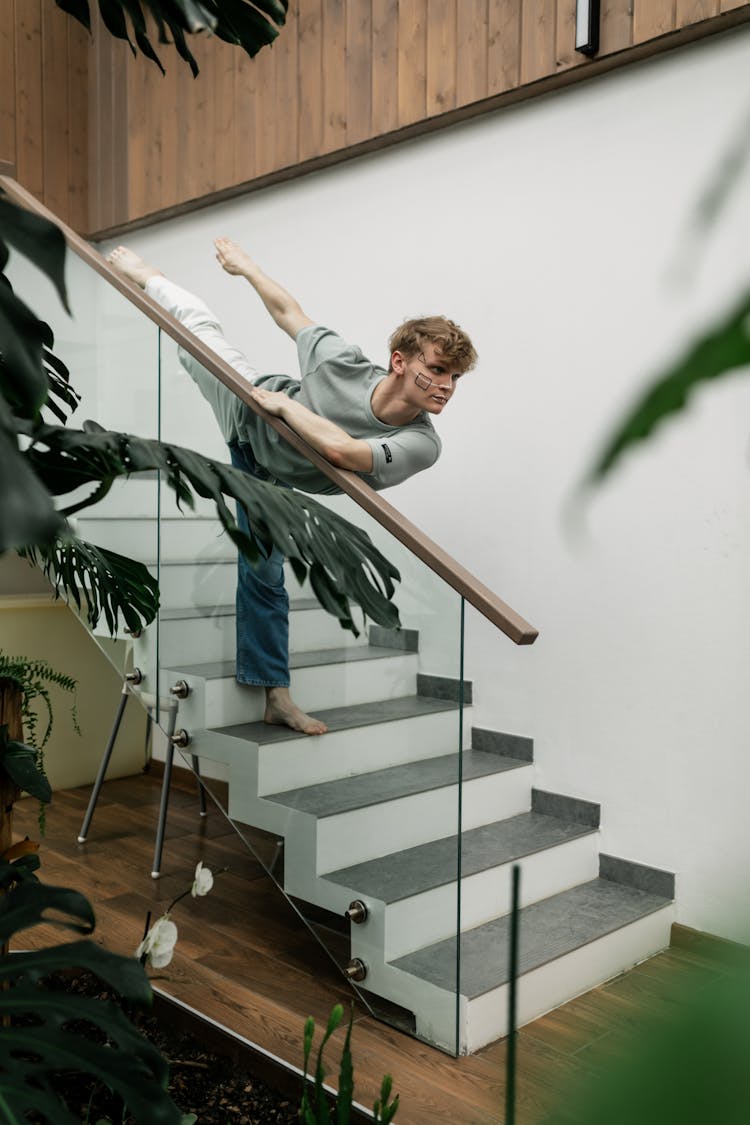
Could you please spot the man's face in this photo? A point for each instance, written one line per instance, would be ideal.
(429, 379)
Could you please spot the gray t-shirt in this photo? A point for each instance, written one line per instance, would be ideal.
(337, 383)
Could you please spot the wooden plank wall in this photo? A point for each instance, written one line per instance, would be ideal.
(44, 134)
(344, 76)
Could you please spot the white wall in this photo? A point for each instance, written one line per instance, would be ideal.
(548, 231)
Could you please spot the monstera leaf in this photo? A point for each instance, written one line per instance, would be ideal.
(40, 1030)
(720, 351)
(343, 563)
(248, 25)
(39, 462)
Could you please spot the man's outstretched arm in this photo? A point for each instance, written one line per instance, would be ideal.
(284, 309)
(328, 439)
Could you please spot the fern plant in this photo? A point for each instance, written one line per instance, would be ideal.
(24, 761)
(33, 678)
(317, 1111)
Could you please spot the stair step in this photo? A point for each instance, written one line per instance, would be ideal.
(321, 679)
(344, 718)
(225, 669)
(205, 633)
(361, 738)
(180, 536)
(416, 870)
(331, 798)
(183, 613)
(547, 930)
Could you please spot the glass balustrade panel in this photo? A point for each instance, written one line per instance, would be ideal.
(111, 351)
(359, 828)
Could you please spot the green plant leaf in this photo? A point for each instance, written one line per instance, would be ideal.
(686, 1065)
(247, 24)
(37, 239)
(20, 869)
(244, 25)
(720, 351)
(114, 1053)
(58, 380)
(26, 906)
(346, 1078)
(133, 1069)
(27, 513)
(125, 975)
(100, 582)
(79, 9)
(347, 565)
(22, 338)
(20, 763)
(114, 20)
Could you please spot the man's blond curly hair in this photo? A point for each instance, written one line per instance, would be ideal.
(411, 337)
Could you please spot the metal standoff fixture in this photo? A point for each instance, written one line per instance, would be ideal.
(357, 911)
(356, 970)
(180, 689)
(135, 677)
(180, 739)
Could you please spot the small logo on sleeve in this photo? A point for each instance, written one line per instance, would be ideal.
(388, 454)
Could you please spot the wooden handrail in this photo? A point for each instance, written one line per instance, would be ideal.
(461, 580)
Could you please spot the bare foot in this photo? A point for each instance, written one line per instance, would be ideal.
(233, 258)
(134, 268)
(281, 710)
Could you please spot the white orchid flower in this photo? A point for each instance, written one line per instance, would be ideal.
(158, 944)
(202, 882)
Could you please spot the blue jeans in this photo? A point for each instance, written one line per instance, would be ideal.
(262, 600)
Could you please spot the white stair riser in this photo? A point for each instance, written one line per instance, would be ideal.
(430, 917)
(211, 583)
(484, 1020)
(286, 765)
(181, 537)
(367, 833)
(137, 497)
(192, 640)
(207, 637)
(312, 629)
(559, 981)
(314, 689)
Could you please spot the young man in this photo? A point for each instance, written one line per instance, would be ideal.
(355, 414)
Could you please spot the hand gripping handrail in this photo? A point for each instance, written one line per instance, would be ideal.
(461, 580)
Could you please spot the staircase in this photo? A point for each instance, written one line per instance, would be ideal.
(369, 812)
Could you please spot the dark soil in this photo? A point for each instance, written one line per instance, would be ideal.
(219, 1090)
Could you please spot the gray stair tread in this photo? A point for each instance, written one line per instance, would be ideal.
(225, 558)
(547, 930)
(183, 613)
(186, 613)
(329, 798)
(224, 669)
(345, 718)
(416, 870)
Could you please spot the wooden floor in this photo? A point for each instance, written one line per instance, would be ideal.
(245, 959)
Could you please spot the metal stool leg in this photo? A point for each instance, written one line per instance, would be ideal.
(104, 764)
(164, 803)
